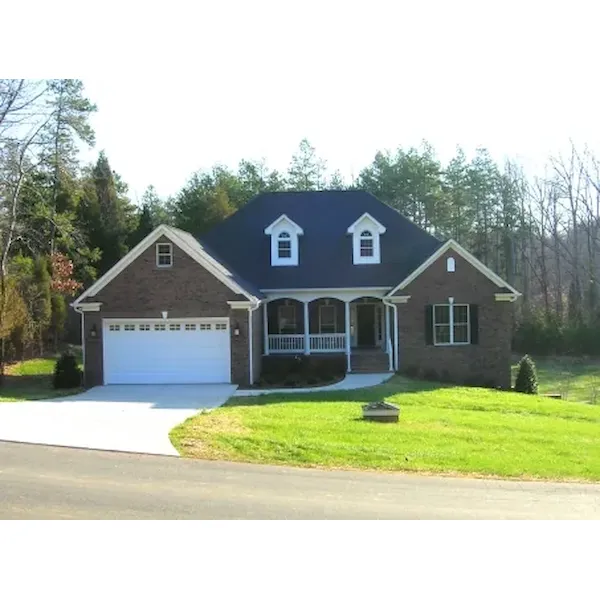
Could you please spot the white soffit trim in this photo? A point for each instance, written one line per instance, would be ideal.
(381, 288)
(456, 247)
(284, 218)
(89, 306)
(180, 238)
(398, 299)
(506, 297)
(366, 216)
(242, 304)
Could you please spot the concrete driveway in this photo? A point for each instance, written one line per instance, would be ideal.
(134, 418)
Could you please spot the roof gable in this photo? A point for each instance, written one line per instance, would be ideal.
(366, 220)
(464, 253)
(284, 221)
(189, 244)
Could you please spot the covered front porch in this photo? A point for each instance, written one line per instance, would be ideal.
(327, 325)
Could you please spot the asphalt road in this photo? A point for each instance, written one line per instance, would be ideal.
(46, 482)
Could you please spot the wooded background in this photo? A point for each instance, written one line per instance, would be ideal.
(64, 223)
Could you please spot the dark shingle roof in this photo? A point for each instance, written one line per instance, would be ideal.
(325, 249)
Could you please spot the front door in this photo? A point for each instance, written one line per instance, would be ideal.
(365, 320)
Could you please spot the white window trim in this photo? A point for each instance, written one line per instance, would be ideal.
(331, 306)
(170, 245)
(288, 306)
(451, 306)
(275, 229)
(284, 236)
(375, 258)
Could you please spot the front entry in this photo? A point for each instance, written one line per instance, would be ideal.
(365, 321)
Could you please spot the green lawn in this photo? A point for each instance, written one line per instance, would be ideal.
(577, 379)
(442, 429)
(31, 380)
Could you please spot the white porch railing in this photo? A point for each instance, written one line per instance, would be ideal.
(319, 342)
(327, 342)
(286, 343)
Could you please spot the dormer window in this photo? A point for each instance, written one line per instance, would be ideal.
(284, 245)
(284, 234)
(366, 244)
(366, 233)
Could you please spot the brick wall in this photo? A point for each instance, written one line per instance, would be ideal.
(186, 289)
(489, 360)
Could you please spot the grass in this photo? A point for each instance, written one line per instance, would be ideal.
(577, 379)
(31, 380)
(442, 429)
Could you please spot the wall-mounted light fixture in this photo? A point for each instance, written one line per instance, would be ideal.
(165, 314)
(93, 331)
(236, 328)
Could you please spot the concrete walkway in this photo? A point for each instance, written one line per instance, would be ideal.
(134, 418)
(352, 381)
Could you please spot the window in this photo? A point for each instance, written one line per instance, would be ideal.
(286, 316)
(114, 327)
(164, 255)
(174, 327)
(145, 327)
(366, 234)
(284, 245)
(221, 326)
(451, 324)
(366, 244)
(450, 264)
(327, 318)
(160, 327)
(190, 327)
(205, 326)
(129, 327)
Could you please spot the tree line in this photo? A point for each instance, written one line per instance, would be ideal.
(64, 223)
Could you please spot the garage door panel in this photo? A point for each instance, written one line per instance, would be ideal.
(166, 352)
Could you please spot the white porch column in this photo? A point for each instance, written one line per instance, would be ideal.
(388, 338)
(266, 327)
(306, 330)
(347, 311)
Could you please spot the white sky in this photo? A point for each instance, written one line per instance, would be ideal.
(181, 86)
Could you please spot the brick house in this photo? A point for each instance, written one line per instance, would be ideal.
(319, 273)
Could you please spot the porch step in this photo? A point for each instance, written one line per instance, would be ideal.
(369, 361)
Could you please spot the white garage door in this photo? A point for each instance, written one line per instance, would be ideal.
(166, 351)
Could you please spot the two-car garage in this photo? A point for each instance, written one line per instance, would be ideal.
(163, 351)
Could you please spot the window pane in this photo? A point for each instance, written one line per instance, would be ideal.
(460, 334)
(442, 314)
(164, 259)
(366, 247)
(460, 313)
(285, 249)
(442, 334)
(366, 234)
(287, 319)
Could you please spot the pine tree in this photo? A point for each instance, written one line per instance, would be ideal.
(307, 170)
(526, 381)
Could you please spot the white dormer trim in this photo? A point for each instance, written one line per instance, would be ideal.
(286, 231)
(366, 228)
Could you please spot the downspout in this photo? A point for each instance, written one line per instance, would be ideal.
(395, 309)
(78, 310)
(251, 309)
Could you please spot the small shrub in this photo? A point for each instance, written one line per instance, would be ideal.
(67, 373)
(527, 381)
(430, 374)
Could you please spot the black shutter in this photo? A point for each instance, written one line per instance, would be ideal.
(474, 317)
(429, 325)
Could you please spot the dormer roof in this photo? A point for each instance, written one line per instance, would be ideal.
(284, 220)
(364, 220)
